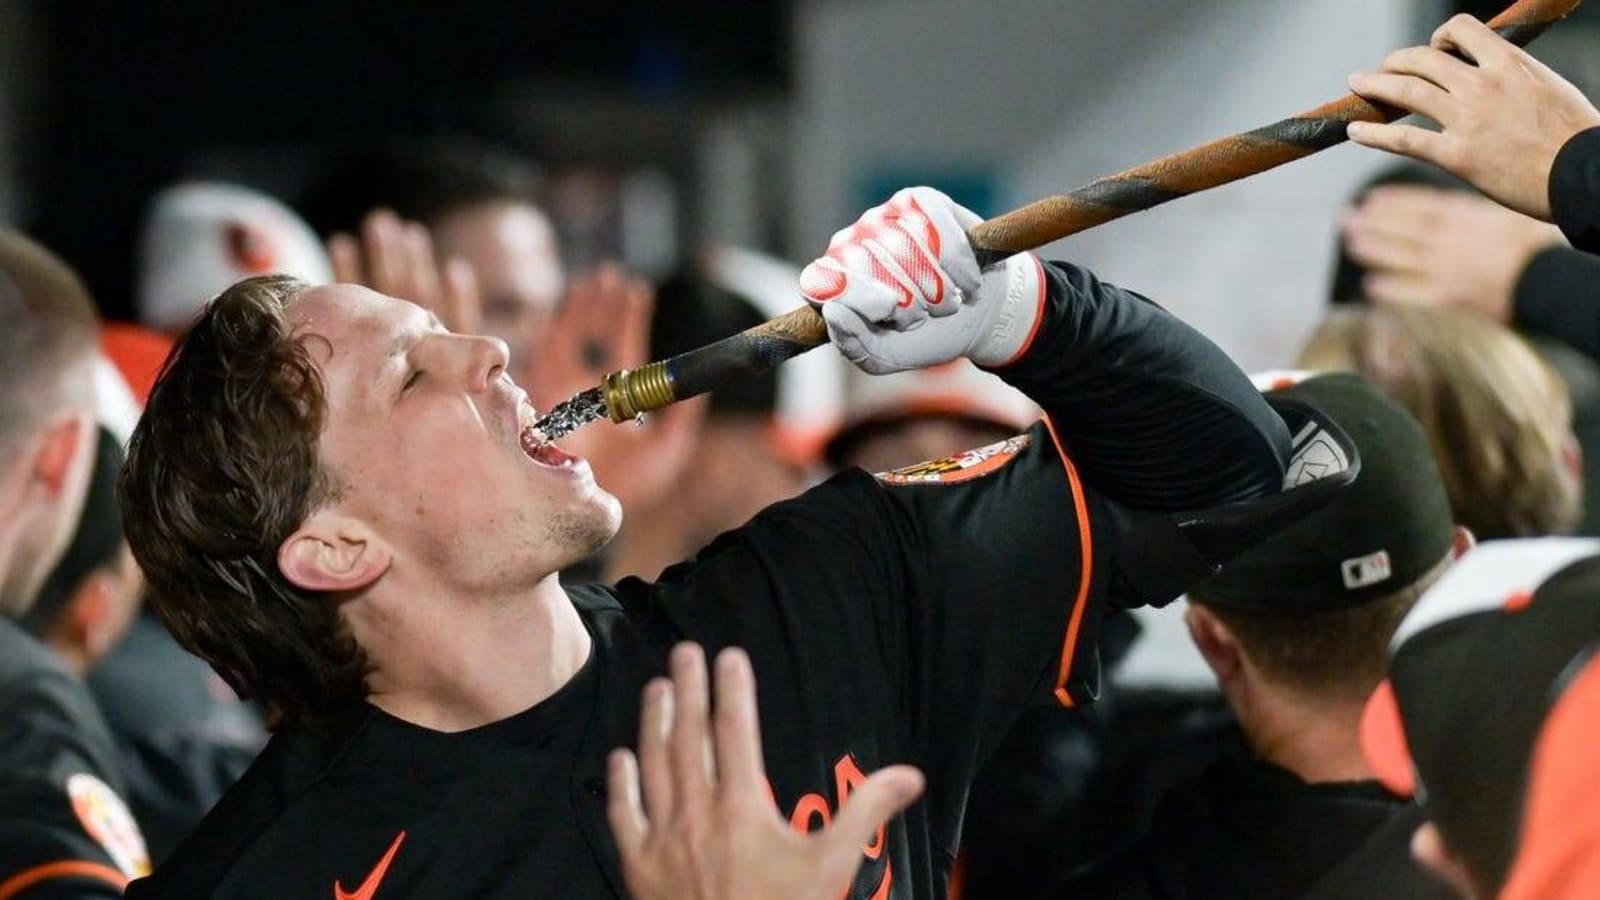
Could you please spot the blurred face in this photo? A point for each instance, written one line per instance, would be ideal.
(423, 433)
(512, 249)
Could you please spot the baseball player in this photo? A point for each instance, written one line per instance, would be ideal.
(342, 507)
(1296, 631)
(64, 829)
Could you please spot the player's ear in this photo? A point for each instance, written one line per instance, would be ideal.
(89, 607)
(63, 446)
(331, 551)
(1461, 541)
(103, 607)
(1215, 642)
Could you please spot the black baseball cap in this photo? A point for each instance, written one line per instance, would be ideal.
(1385, 531)
(1475, 669)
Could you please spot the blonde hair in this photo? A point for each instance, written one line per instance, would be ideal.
(1498, 418)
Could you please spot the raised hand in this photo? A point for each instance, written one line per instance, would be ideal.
(1442, 248)
(396, 257)
(1504, 118)
(693, 815)
(603, 324)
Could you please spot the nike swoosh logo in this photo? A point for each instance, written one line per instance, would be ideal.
(369, 888)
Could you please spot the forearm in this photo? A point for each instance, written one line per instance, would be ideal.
(1558, 296)
(1575, 190)
(1154, 414)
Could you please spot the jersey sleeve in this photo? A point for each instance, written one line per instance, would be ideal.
(64, 830)
(1558, 296)
(44, 855)
(1153, 413)
(1575, 190)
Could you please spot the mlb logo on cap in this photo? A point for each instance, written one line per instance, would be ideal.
(1366, 570)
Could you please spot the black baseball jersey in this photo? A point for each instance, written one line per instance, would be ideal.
(903, 617)
(64, 830)
(1248, 830)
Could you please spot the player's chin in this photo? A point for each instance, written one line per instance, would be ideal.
(602, 511)
(583, 527)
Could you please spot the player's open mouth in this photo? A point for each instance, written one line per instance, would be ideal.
(534, 444)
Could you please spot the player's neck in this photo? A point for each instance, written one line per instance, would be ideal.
(1318, 741)
(481, 664)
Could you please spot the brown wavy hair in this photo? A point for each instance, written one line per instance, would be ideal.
(221, 469)
(1498, 417)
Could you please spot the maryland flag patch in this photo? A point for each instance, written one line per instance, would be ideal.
(961, 467)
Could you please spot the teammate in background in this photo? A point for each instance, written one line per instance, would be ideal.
(1497, 417)
(337, 503)
(64, 833)
(1296, 631)
(390, 212)
(1511, 127)
(1488, 717)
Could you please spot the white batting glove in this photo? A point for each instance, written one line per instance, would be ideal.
(900, 289)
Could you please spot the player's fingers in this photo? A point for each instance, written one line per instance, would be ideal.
(1419, 204)
(945, 236)
(909, 243)
(1363, 222)
(823, 279)
(845, 328)
(880, 798)
(1431, 64)
(624, 806)
(737, 725)
(655, 766)
(1398, 289)
(1408, 92)
(460, 284)
(380, 236)
(689, 744)
(868, 287)
(1406, 140)
(422, 272)
(345, 256)
(1377, 250)
(1474, 39)
(859, 341)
